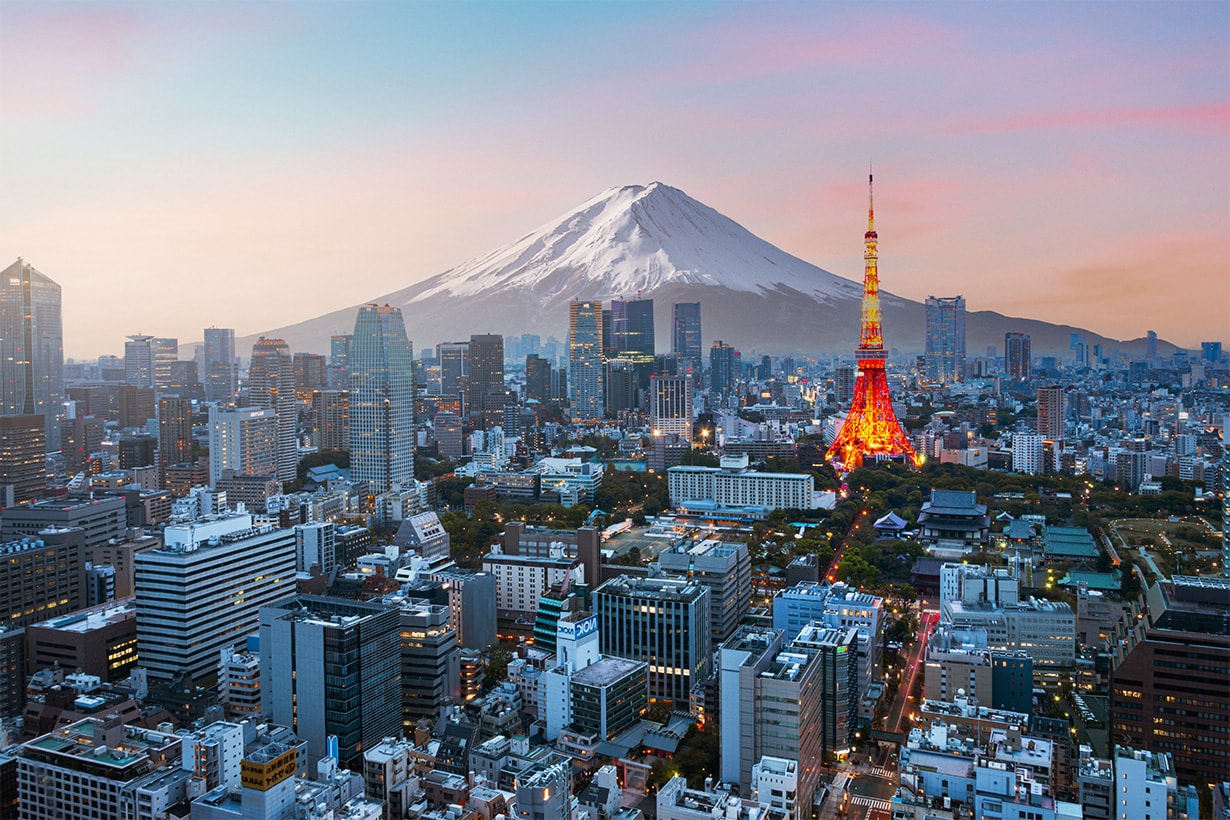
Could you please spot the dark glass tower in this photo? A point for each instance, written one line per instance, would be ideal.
(685, 335)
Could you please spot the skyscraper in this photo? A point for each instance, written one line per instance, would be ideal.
(685, 335)
(585, 387)
(23, 458)
(31, 348)
(486, 364)
(164, 353)
(339, 361)
(218, 369)
(725, 367)
(632, 332)
(174, 434)
(670, 406)
(381, 399)
(1050, 412)
(945, 343)
(139, 360)
(271, 384)
(1018, 361)
(454, 360)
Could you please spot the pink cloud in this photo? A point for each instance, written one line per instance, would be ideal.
(1213, 117)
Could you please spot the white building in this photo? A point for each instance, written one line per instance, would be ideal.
(316, 544)
(243, 439)
(202, 589)
(1133, 785)
(214, 753)
(775, 783)
(1027, 453)
(521, 579)
(741, 488)
(670, 406)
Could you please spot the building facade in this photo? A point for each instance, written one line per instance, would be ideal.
(31, 348)
(945, 343)
(381, 400)
(586, 391)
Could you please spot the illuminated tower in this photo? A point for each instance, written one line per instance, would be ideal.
(871, 429)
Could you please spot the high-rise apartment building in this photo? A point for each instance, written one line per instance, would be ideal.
(1018, 359)
(243, 440)
(585, 382)
(537, 378)
(381, 400)
(311, 373)
(271, 385)
(137, 405)
(685, 336)
(23, 458)
(454, 358)
(174, 434)
(670, 406)
(945, 342)
(843, 384)
(139, 360)
(164, 353)
(1051, 410)
(331, 667)
(218, 369)
(31, 348)
(486, 366)
(202, 590)
(331, 419)
(662, 621)
(725, 367)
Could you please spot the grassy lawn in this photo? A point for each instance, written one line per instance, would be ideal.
(1174, 545)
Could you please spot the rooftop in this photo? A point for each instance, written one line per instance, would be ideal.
(87, 620)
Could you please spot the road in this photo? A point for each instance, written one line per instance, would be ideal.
(870, 792)
(915, 663)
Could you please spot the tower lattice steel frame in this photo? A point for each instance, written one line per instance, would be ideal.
(871, 429)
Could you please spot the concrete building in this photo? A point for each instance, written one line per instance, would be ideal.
(1051, 412)
(100, 519)
(201, 591)
(741, 488)
(430, 661)
(521, 579)
(41, 574)
(725, 568)
(100, 769)
(677, 802)
(100, 640)
(23, 458)
(545, 792)
(1133, 784)
(332, 667)
(837, 681)
(243, 440)
(331, 420)
(1027, 453)
(271, 385)
(316, 545)
(760, 675)
(775, 785)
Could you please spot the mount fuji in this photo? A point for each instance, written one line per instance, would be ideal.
(655, 241)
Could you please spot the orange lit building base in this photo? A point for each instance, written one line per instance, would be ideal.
(871, 430)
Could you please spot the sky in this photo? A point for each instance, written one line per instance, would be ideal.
(180, 165)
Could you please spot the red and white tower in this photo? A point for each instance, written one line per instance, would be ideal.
(871, 430)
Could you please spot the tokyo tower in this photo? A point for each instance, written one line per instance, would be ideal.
(871, 430)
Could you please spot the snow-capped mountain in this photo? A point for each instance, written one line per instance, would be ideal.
(654, 241)
(635, 239)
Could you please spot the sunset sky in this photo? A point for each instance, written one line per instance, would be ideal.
(180, 165)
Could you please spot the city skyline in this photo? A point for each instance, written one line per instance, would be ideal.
(196, 154)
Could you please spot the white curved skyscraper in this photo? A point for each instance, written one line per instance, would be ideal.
(381, 399)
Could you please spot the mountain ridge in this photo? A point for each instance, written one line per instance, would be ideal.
(655, 241)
